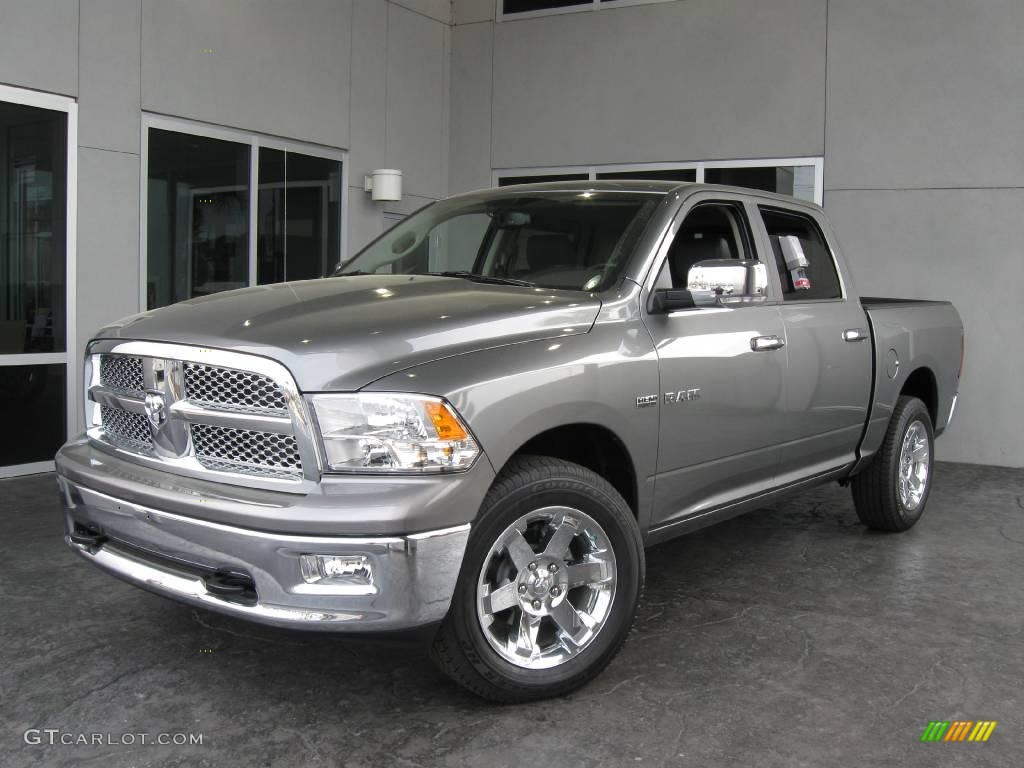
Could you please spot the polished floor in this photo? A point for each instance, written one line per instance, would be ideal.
(788, 637)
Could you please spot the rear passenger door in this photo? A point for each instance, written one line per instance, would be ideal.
(828, 381)
(721, 399)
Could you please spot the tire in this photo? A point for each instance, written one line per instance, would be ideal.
(523, 652)
(877, 494)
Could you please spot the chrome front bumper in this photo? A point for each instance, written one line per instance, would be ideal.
(411, 584)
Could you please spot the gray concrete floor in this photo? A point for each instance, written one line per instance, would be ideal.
(788, 637)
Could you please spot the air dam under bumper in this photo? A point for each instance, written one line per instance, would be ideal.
(202, 563)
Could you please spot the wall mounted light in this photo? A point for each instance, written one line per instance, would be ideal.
(384, 184)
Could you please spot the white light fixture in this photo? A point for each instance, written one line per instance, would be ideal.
(384, 184)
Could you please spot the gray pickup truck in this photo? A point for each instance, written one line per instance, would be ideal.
(480, 421)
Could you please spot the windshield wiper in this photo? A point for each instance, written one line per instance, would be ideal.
(338, 273)
(477, 278)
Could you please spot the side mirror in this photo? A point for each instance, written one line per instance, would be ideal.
(728, 281)
(665, 300)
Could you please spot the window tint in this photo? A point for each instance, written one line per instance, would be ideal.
(674, 174)
(525, 6)
(795, 180)
(33, 190)
(506, 181)
(806, 268)
(198, 219)
(710, 231)
(298, 230)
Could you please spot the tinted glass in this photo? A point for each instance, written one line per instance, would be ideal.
(197, 226)
(506, 181)
(522, 6)
(32, 406)
(677, 174)
(33, 234)
(571, 240)
(806, 268)
(298, 228)
(797, 181)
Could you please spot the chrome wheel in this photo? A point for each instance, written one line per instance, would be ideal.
(546, 587)
(912, 476)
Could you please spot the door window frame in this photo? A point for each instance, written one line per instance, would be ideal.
(816, 217)
(69, 107)
(749, 208)
(255, 142)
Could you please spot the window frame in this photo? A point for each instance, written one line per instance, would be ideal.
(69, 357)
(255, 141)
(700, 166)
(816, 219)
(749, 209)
(584, 7)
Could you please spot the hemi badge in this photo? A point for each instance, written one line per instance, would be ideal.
(645, 401)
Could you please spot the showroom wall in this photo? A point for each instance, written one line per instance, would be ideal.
(368, 76)
(914, 105)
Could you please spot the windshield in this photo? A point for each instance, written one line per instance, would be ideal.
(561, 239)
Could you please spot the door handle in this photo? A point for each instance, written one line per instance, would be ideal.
(766, 343)
(854, 334)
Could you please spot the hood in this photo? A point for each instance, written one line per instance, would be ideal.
(341, 333)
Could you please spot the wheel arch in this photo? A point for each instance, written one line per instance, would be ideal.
(921, 383)
(590, 445)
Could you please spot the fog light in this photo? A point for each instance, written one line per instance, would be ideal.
(336, 570)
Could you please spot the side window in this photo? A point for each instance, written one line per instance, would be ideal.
(807, 270)
(710, 231)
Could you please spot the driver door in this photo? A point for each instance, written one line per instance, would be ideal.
(723, 372)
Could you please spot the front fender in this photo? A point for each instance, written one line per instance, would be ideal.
(511, 394)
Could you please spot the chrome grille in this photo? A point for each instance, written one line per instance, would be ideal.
(127, 430)
(230, 416)
(246, 450)
(122, 373)
(232, 389)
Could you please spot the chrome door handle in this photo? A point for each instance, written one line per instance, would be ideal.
(854, 334)
(766, 343)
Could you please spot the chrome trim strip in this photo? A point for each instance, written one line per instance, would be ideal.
(192, 413)
(116, 399)
(193, 590)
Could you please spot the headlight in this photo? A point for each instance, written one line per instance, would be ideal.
(392, 433)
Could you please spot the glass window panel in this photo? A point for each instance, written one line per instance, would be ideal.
(33, 235)
(298, 233)
(33, 403)
(807, 269)
(797, 181)
(505, 181)
(524, 6)
(675, 174)
(197, 230)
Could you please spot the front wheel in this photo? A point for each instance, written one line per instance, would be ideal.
(891, 494)
(549, 584)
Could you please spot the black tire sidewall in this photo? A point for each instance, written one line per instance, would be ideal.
(618, 523)
(915, 410)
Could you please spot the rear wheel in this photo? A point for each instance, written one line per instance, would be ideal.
(549, 585)
(891, 494)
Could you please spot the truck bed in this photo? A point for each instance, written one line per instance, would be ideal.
(917, 345)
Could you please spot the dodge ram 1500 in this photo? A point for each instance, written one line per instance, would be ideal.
(481, 420)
